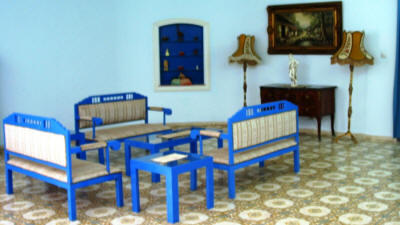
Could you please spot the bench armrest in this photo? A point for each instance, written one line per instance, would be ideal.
(96, 121)
(210, 133)
(114, 145)
(166, 111)
(94, 145)
(197, 134)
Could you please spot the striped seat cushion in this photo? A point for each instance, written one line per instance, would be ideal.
(81, 169)
(222, 155)
(113, 133)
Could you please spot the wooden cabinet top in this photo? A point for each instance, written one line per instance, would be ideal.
(287, 86)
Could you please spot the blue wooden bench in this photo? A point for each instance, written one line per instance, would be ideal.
(108, 117)
(255, 134)
(40, 148)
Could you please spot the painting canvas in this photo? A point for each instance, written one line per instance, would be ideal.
(304, 28)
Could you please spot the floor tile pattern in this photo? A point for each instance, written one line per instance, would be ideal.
(339, 183)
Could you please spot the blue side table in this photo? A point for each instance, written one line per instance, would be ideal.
(171, 171)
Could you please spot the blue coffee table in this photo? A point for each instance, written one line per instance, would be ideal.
(171, 171)
(163, 140)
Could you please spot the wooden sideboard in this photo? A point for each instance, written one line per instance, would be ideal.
(313, 101)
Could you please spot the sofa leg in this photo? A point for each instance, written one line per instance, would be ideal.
(296, 160)
(231, 183)
(119, 193)
(71, 204)
(9, 182)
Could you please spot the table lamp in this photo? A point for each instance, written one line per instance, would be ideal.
(353, 53)
(246, 55)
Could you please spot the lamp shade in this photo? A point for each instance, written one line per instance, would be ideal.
(245, 52)
(352, 50)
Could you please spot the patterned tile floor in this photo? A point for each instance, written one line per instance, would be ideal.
(339, 183)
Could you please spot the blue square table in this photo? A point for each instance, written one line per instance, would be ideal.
(163, 140)
(171, 171)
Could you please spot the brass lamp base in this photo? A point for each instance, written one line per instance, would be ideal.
(349, 111)
(348, 133)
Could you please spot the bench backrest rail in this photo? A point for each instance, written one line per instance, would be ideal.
(113, 108)
(257, 125)
(41, 140)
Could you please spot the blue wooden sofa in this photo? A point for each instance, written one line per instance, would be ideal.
(255, 134)
(109, 116)
(40, 148)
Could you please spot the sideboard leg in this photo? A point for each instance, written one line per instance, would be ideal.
(333, 124)
(319, 127)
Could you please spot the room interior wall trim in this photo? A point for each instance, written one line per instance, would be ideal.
(362, 137)
(222, 125)
(177, 125)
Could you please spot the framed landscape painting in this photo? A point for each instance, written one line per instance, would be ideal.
(314, 28)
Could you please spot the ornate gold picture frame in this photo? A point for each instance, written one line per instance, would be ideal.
(314, 28)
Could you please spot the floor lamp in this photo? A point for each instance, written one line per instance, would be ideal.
(351, 53)
(246, 55)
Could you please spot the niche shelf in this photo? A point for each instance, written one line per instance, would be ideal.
(181, 51)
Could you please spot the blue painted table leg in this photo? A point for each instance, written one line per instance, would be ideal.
(172, 197)
(155, 178)
(119, 193)
(81, 155)
(210, 186)
(101, 155)
(193, 180)
(127, 159)
(296, 159)
(220, 143)
(193, 173)
(135, 190)
(9, 182)
(193, 147)
(71, 203)
(261, 164)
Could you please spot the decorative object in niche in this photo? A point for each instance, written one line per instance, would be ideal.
(246, 55)
(165, 65)
(184, 44)
(304, 28)
(293, 63)
(351, 52)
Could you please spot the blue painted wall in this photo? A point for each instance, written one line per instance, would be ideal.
(54, 53)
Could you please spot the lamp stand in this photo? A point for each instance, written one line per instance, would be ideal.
(349, 111)
(244, 83)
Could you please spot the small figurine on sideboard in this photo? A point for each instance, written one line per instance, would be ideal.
(293, 63)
